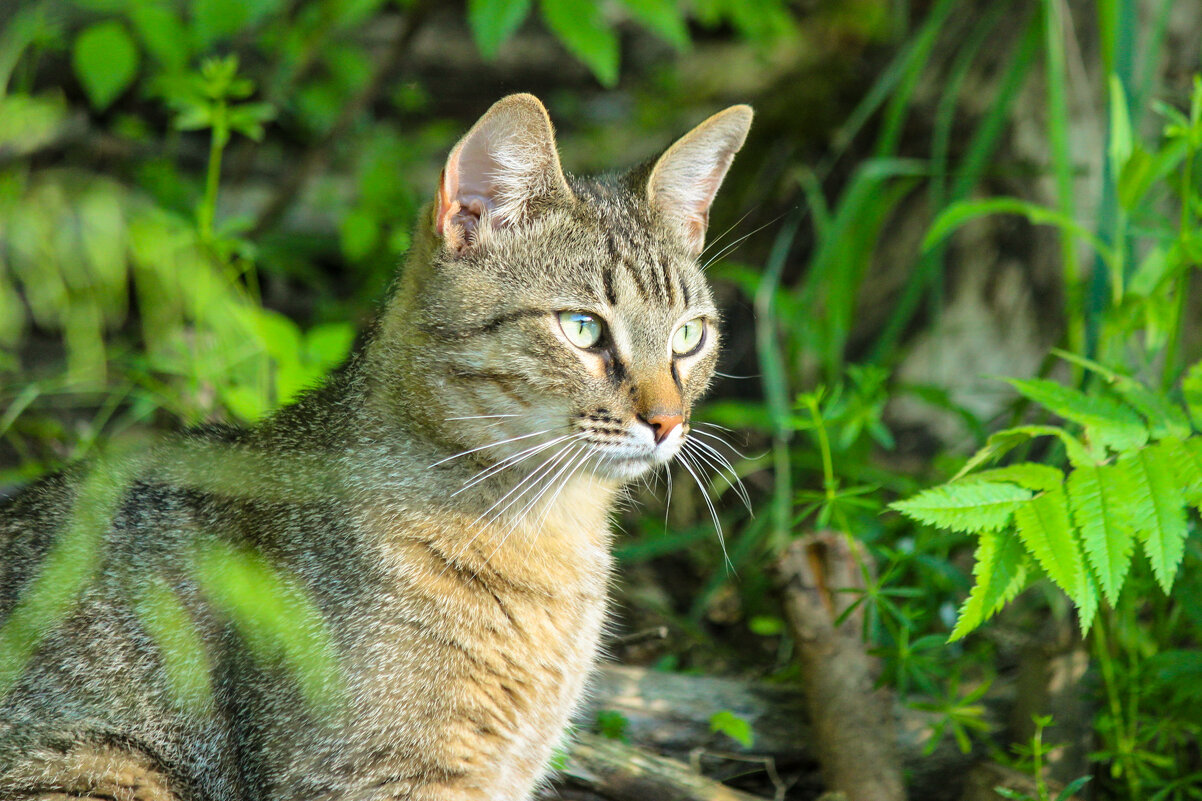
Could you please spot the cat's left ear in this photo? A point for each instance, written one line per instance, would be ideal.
(498, 171)
(687, 176)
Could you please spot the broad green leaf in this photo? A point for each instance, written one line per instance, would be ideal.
(1033, 476)
(105, 59)
(970, 506)
(663, 17)
(217, 19)
(161, 32)
(1105, 533)
(1154, 507)
(733, 726)
(1043, 525)
(1000, 573)
(1107, 422)
(327, 345)
(494, 21)
(28, 123)
(581, 27)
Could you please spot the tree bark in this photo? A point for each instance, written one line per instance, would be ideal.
(853, 724)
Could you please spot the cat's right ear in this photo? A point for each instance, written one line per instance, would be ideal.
(496, 172)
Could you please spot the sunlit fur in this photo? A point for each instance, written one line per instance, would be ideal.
(444, 501)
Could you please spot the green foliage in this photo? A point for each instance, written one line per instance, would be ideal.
(613, 725)
(733, 726)
(106, 62)
(1131, 483)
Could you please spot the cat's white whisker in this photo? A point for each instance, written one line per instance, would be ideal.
(549, 483)
(722, 466)
(725, 443)
(689, 466)
(509, 461)
(489, 445)
(482, 417)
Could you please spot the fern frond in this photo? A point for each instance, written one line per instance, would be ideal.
(1033, 476)
(1105, 533)
(1000, 572)
(1154, 506)
(1108, 423)
(1002, 442)
(1165, 418)
(1087, 605)
(1044, 527)
(1186, 459)
(968, 506)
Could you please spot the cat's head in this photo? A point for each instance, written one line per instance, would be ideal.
(566, 315)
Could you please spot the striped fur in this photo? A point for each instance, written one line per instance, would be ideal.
(442, 503)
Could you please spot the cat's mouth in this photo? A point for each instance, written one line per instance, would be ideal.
(633, 456)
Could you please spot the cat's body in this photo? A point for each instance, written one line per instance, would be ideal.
(443, 503)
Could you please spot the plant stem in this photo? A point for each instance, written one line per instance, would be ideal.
(1123, 744)
(207, 212)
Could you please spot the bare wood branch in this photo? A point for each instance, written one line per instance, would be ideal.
(853, 726)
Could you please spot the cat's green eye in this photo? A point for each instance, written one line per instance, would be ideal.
(688, 337)
(582, 329)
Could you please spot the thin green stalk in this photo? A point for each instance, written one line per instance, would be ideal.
(1055, 33)
(776, 387)
(207, 212)
(1168, 375)
(1123, 745)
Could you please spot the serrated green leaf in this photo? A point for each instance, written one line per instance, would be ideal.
(1105, 533)
(1043, 525)
(1002, 442)
(494, 21)
(1000, 572)
(105, 59)
(1087, 601)
(1186, 459)
(662, 17)
(969, 506)
(582, 29)
(1165, 418)
(1154, 507)
(1107, 423)
(1033, 476)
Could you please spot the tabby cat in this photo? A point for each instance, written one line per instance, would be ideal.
(442, 504)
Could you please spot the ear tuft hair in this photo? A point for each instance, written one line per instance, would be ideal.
(686, 177)
(504, 163)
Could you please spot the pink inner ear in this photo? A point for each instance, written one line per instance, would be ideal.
(466, 190)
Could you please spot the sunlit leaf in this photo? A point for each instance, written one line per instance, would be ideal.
(105, 59)
(971, 506)
(1044, 527)
(1105, 533)
(494, 21)
(581, 27)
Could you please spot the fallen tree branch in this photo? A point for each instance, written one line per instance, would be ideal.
(852, 724)
(624, 772)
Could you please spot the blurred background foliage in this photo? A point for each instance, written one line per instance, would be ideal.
(202, 201)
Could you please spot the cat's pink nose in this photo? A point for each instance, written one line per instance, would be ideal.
(663, 423)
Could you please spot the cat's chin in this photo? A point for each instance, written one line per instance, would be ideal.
(628, 467)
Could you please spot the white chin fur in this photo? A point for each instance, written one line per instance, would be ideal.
(640, 455)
